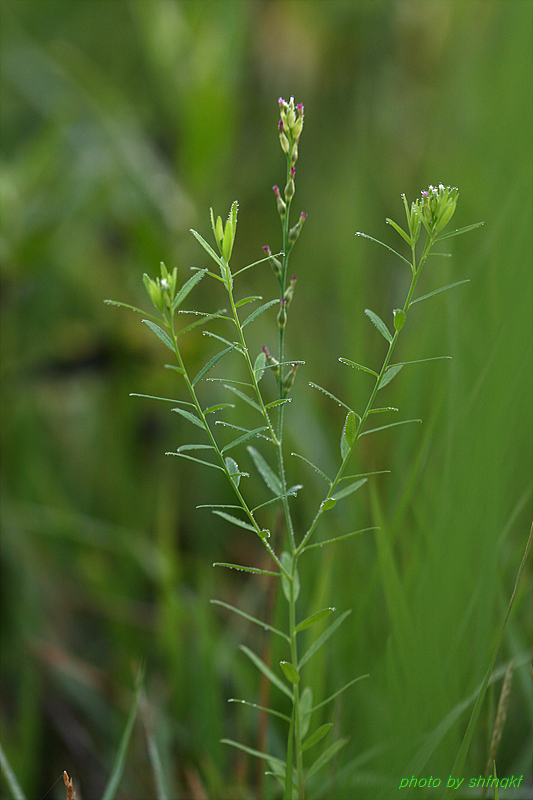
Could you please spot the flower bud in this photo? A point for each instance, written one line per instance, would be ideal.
(274, 263)
(289, 292)
(295, 232)
(279, 202)
(294, 154)
(288, 380)
(272, 362)
(290, 189)
(154, 292)
(282, 316)
(285, 146)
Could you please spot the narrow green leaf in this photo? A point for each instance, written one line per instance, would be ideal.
(165, 338)
(338, 692)
(290, 672)
(197, 460)
(317, 736)
(234, 520)
(167, 399)
(317, 644)
(320, 615)
(306, 705)
(292, 492)
(266, 472)
(255, 263)
(236, 345)
(120, 760)
(207, 247)
(246, 300)
(366, 236)
(260, 708)
(186, 288)
(328, 504)
(380, 325)
(206, 318)
(253, 570)
(258, 311)
(259, 366)
(400, 231)
(391, 425)
(459, 231)
(353, 487)
(267, 672)
(251, 752)
(184, 447)
(243, 396)
(191, 417)
(316, 469)
(332, 396)
(390, 373)
(233, 470)
(211, 363)
(286, 562)
(131, 308)
(438, 291)
(326, 756)
(251, 619)
(245, 437)
(218, 407)
(348, 434)
(340, 538)
(275, 403)
(421, 360)
(358, 366)
(381, 410)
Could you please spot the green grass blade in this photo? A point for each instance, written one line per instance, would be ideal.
(153, 751)
(322, 639)
(120, 760)
(165, 338)
(9, 775)
(380, 325)
(467, 739)
(167, 399)
(259, 622)
(267, 672)
(131, 308)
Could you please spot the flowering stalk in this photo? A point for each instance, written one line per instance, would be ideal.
(431, 213)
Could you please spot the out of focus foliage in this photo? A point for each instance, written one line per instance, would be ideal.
(121, 123)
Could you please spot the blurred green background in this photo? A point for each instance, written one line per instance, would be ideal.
(122, 122)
